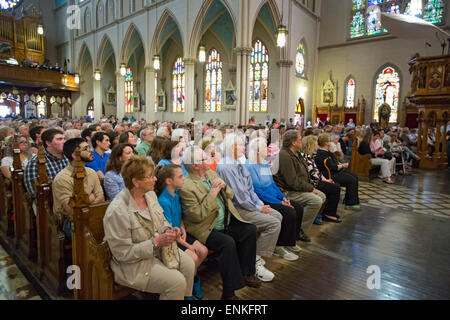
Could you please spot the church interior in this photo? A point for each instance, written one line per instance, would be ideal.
(316, 63)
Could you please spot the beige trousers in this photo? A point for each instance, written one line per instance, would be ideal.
(311, 203)
(172, 284)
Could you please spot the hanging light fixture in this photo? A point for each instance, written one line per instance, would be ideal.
(156, 62)
(281, 36)
(123, 69)
(76, 78)
(97, 75)
(40, 30)
(202, 53)
(282, 31)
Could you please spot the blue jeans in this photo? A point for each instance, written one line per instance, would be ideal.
(68, 229)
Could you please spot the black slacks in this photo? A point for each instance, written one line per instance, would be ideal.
(350, 181)
(333, 193)
(235, 252)
(291, 223)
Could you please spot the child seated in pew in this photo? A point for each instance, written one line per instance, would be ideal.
(169, 179)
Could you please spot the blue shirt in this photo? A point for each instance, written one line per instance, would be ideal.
(171, 206)
(238, 178)
(164, 162)
(113, 184)
(99, 162)
(263, 183)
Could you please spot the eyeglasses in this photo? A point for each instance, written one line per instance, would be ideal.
(150, 176)
(87, 148)
(23, 142)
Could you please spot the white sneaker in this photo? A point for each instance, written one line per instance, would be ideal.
(260, 260)
(285, 254)
(263, 274)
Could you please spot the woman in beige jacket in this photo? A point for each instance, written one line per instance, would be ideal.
(136, 230)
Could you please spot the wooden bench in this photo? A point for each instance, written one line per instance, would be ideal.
(25, 241)
(360, 164)
(6, 211)
(54, 252)
(89, 252)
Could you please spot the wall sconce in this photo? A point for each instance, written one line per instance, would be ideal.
(123, 69)
(76, 78)
(202, 53)
(40, 30)
(156, 62)
(97, 75)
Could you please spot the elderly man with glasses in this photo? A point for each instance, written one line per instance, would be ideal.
(210, 216)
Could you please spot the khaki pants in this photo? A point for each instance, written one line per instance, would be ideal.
(311, 203)
(172, 284)
(269, 226)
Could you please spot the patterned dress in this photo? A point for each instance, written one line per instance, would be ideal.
(313, 171)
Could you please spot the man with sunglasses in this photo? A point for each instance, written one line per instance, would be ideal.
(63, 184)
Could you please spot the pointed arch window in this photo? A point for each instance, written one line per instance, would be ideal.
(350, 93)
(300, 59)
(366, 20)
(178, 85)
(213, 82)
(259, 78)
(129, 100)
(387, 90)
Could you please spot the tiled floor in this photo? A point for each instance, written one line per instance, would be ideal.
(13, 284)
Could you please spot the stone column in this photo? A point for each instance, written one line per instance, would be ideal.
(120, 99)
(285, 66)
(242, 84)
(149, 94)
(189, 89)
(98, 99)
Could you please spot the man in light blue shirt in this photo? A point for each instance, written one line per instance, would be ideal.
(350, 123)
(249, 206)
(101, 144)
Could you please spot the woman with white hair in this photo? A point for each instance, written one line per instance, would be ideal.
(270, 194)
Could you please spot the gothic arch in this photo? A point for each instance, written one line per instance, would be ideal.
(197, 34)
(101, 60)
(350, 76)
(100, 14)
(156, 41)
(125, 54)
(87, 20)
(374, 88)
(276, 15)
(110, 6)
(84, 50)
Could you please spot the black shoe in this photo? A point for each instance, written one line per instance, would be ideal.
(338, 220)
(303, 237)
(252, 281)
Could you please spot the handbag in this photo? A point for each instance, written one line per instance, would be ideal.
(170, 255)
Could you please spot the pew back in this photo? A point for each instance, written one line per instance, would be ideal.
(360, 164)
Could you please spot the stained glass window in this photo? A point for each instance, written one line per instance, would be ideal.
(350, 98)
(433, 11)
(178, 85)
(393, 8)
(358, 4)
(387, 90)
(373, 20)
(129, 101)
(259, 78)
(213, 82)
(365, 15)
(8, 4)
(300, 60)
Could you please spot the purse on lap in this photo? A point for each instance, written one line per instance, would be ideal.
(170, 254)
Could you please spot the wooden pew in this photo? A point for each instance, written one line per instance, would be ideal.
(89, 252)
(360, 164)
(24, 217)
(6, 222)
(53, 250)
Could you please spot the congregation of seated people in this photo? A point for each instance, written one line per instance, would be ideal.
(239, 193)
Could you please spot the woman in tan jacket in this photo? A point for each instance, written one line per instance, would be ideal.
(136, 232)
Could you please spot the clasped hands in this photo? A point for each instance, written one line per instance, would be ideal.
(167, 237)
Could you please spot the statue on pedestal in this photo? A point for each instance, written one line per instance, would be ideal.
(384, 113)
